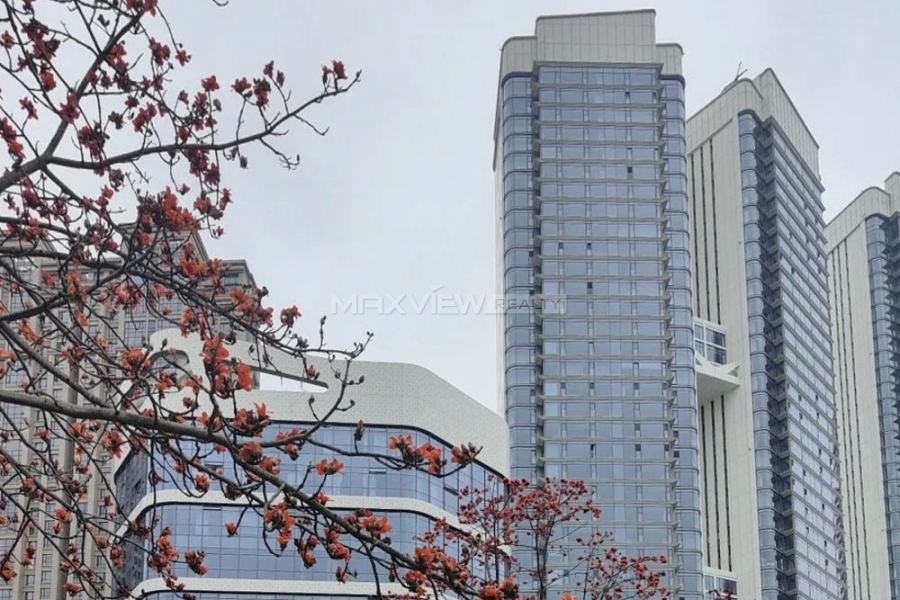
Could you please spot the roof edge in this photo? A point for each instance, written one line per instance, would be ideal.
(791, 101)
(601, 13)
(871, 188)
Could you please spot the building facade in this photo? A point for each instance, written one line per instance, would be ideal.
(863, 261)
(127, 328)
(594, 263)
(769, 441)
(396, 399)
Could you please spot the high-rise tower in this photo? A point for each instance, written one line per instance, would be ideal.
(594, 264)
(863, 266)
(769, 443)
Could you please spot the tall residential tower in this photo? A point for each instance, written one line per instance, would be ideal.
(594, 263)
(769, 444)
(864, 264)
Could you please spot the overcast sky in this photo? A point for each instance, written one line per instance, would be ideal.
(398, 198)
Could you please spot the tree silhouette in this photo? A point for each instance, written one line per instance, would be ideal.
(91, 119)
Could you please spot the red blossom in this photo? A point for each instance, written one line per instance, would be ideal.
(69, 111)
(289, 316)
(210, 84)
(48, 82)
(116, 56)
(72, 588)
(194, 560)
(147, 6)
(329, 467)
(240, 85)
(28, 106)
(159, 51)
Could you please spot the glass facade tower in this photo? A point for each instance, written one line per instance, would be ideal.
(599, 363)
(883, 236)
(798, 492)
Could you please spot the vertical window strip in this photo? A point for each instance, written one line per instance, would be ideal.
(835, 298)
(712, 179)
(695, 238)
(845, 409)
(862, 496)
(705, 233)
(727, 501)
(705, 465)
(712, 410)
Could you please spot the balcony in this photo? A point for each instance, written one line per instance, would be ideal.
(715, 375)
(719, 584)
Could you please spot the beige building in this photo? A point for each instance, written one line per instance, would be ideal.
(768, 437)
(862, 263)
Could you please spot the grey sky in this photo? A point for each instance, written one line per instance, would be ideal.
(399, 196)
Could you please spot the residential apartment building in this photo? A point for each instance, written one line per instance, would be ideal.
(768, 429)
(396, 399)
(593, 259)
(863, 261)
(127, 328)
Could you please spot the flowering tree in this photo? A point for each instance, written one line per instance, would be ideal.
(531, 542)
(91, 119)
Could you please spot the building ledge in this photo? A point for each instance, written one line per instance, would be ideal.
(714, 380)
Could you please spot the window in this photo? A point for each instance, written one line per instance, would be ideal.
(376, 482)
(231, 279)
(45, 576)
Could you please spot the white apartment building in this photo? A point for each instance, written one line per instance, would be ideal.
(862, 265)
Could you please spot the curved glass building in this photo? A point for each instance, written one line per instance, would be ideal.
(396, 399)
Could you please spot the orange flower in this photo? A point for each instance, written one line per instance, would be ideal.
(326, 467)
(7, 572)
(135, 359)
(244, 375)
